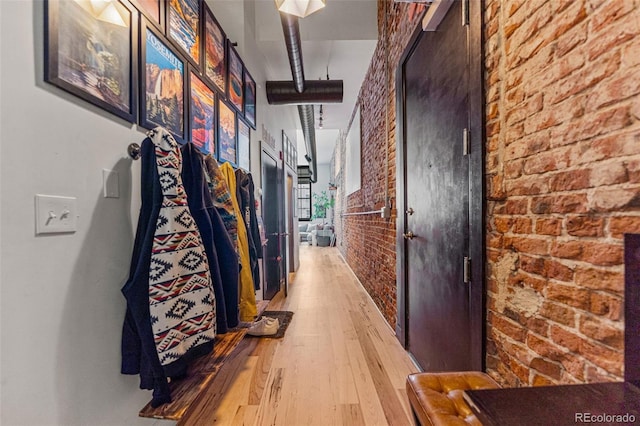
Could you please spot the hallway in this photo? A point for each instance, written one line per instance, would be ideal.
(338, 364)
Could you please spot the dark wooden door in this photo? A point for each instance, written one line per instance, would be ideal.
(436, 114)
(271, 211)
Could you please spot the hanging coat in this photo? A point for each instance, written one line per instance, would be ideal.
(222, 198)
(170, 317)
(248, 308)
(244, 192)
(222, 258)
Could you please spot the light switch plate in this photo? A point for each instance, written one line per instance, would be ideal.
(55, 214)
(110, 184)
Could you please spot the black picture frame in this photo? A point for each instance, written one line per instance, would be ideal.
(235, 79)
(153, 10)
(214, 46)
(243, 131)
(227, 142)
(158, 60)
(202, 113)
(250, 99)
(99, 67)
(184, 28)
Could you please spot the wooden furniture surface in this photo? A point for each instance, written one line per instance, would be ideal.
(200, 373)
(557, 405)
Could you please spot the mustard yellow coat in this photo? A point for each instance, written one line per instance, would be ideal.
(248, 309)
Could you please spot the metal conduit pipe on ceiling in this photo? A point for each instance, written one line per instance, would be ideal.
(293, 44)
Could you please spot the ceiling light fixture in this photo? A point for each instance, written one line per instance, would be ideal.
(300, 8)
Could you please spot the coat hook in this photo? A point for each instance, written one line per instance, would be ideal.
(134, 151)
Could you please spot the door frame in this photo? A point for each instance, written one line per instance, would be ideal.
(276, 155)
(476, 189)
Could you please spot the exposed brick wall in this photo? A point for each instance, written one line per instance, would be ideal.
(562, 88)
(368, 242)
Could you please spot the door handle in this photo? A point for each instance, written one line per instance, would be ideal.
(410, 212)
(409, 235)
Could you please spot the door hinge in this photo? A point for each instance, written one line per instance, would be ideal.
(466, 270)
(465, 12)
(465, 142)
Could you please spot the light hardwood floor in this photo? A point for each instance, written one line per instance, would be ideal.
(338, 364)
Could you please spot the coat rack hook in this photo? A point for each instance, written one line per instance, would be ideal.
(134, 151)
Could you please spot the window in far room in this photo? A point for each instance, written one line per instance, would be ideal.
(304, 200)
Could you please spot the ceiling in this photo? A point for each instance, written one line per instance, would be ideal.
(340, 38)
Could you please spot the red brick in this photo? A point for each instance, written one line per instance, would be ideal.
(606, 305)
(503, 223)
(613, 36)
(509, 328)
(569, 295)
(528, 245)
(558, 313)
(565, 338)
(546, 367)
(532, 265)
(609, 13)
(585, 226)
(529, 185)
(545, 162)
(552, 226)
(522, 225)
(595, 253)
(602, 356)
(558, 271)
(544, 347)
(604, 333)
(600, 279)
(620, 225)
(573, 365)
(569, 203)
(518, 206)
(570, 180)
(541, 381)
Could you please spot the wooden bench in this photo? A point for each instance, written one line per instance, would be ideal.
(437, 398)
(200, 373)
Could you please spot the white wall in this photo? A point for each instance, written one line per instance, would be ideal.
(61, 306)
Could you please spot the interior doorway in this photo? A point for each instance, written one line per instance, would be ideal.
(272, 211)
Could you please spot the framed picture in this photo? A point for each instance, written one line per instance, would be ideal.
(244, 142)
(215, 58)
(153, 10)
(249, 99)
(163, 82)
(183, 27)
(202, 114)
(235, 79)
(91, 51)
(227, 149)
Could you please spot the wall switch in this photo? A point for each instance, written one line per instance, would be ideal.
(55, 214)
(110, 184)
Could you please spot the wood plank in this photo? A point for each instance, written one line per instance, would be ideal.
(203, 409)
(338, 363)
(199, 373)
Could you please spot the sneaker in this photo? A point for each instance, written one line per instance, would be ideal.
(270, 320)
(264, 327)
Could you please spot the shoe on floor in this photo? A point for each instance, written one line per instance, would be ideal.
(264, 327)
